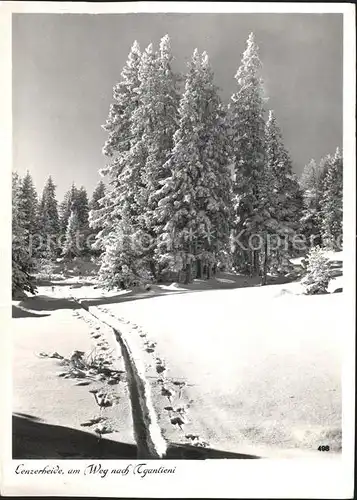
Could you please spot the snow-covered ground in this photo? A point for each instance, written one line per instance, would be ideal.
(47, 325)
(262, 364)
(254, 369)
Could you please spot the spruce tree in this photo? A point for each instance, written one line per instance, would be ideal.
(158, 114)
(193, 208)
(97, 196)
(331, 204)
(81, 205)
(28, 213)
(71, 248)
(28, 204)
(123, 203)
(285, 201)
(213, 249)
(22, 262)
(123, 263)
(67, 206)
(154, 123)
(312, 185)
(248, 142)
(318, 272)
(48, 219)
(116, 147)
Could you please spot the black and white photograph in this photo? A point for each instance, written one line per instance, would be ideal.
(180, 242)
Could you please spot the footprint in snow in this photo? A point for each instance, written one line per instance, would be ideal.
(113, 381)
(165, 391)
(201, 444)
(55, 355)
(180, 385)
(103, 429)
(192, 437)
(181, 410)
(177, 421)
(93, 421)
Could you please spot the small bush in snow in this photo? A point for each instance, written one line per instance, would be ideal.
(46, 268)
(318, 273)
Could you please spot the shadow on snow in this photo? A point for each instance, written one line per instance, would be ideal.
(34, 439)
(42, 303)
(19, 312)
(224, 281)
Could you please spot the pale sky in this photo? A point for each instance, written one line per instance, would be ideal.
(65, 65)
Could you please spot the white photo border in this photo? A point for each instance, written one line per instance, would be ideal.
(267, 478)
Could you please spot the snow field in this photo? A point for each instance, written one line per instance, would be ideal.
(262, 366)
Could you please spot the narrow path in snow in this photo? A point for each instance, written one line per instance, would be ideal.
(149, 440)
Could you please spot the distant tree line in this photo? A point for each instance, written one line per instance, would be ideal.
(43, 230)
(194, 185)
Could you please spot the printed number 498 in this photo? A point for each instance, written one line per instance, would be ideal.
(323, 448)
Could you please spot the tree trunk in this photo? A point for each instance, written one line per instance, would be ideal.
(265, 267)
(254, 263)
(188, 274)
(153, 269)
(199, 269)
(251, 263)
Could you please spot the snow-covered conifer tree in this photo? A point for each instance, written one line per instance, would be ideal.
(28, 204)
(81, 205)
(22, 261)
(116, 147)
(331, 204)
(98, 194)
(48, 218)
(154, 123)
(128, 199)
(248, 142)
(158, 115)
(94, 206)
(285, 201)
(194, 200)
(312, 185)
(123, 203)
(215, 186)
(28, 212)
(71, 244)
(67, 206)
(318, 272)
